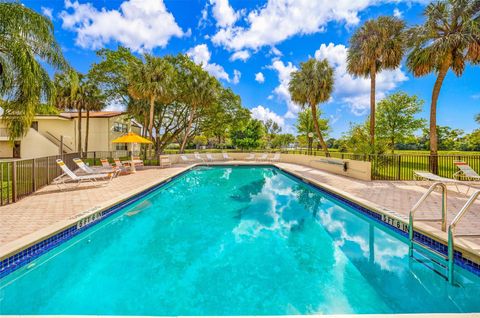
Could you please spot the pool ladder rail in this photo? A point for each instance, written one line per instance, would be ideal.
(445, 261)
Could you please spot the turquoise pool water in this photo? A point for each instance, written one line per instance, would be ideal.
(234, 241)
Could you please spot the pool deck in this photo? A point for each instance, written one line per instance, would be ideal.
(36, 216)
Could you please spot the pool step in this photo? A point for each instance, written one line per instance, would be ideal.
(432, 259)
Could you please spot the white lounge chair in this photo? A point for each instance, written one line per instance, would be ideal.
(69, 176)
(210, 157)
(251, 156)
(428, 176)
(197, 156)
(263, 157)
(275, 158)
(121, 167)
(106, 164)
(226, 157)
(94, 170)
(185, 159)
(466, 172)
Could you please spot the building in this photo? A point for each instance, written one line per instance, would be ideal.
(49, 133)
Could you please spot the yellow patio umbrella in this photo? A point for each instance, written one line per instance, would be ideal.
(131, 138)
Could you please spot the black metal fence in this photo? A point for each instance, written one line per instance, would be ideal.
(20, 178)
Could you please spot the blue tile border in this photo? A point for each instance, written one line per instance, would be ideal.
(16, 261)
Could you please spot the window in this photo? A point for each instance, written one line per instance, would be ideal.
(121, 147)
(120, 127)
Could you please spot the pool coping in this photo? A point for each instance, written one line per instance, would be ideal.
(16, 254)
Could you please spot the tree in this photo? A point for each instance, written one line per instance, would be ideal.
(200, 140)
(27, 45)
(447, 137)
(312, 85)
(248, 136)
(477, 118)
(305, 123)
(282, 140)
(271, 130)
(94, 100)
(449, 38)
(396, 118)
(151, 80)
(376, 46)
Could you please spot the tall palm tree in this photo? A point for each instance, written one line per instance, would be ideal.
(152, 81)
(312, 85)
(449, 38)
(375, 46)
(94, 100)
(27, 43)
(201, 91)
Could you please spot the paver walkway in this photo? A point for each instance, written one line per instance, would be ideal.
(49, 205)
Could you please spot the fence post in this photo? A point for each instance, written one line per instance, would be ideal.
(14, 181)
(399, 170)
(34, 176)
(94, 158)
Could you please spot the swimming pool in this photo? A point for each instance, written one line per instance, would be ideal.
(234, 241)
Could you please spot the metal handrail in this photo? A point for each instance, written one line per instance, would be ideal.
(411, 216)
(451, 233)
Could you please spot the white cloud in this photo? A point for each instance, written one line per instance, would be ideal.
(259, 77)
(275, 51)
(223, 13)
(279, 20)
(284, 71)
(48, 12)
(355, 91)
(138, 24)
(264, 113)
(201, 55)
(236, 76)
(397, 13)
(240, 55)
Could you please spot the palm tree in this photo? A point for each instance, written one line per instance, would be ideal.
(151, 81)
(201, 91)
(449, 38)
(376, 46)
(27, 43)
(94, 100)
(312, 85)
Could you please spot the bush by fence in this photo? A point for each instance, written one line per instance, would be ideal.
(20, 178)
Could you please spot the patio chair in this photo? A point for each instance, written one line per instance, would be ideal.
(106, 164)
(251, 156)
(165, 161)
(275, 158)
(263, 157)
(93, 170)
(225, 156)
(136, 161)
(466, 172)
(428, 176)
(210, 157)
(185, 159)
(197, 157)
(121, 167)
(69, 176)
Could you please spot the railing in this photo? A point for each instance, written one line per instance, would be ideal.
(57, 142)
(411, 216)
(4, 132)
(451, 234)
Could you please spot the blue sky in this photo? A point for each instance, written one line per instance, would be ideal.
(252, 46)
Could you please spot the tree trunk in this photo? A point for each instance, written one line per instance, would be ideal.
(317, 129)
(190, 122)
(433, 118)
(145, 126)
(79, 146)
(152, 112)
(87, 130)
(373, 75)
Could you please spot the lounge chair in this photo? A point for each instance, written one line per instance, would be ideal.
(94, 170)
(106, 164)
(185, 159)
(275, 158)
(428, 176)
(225, 156)
(121, 167)
(197, 157)
(263, 157)
(69, 176)
(165, 161)
(210, 157)
(136, 161)
(251, 156)
(466, 173)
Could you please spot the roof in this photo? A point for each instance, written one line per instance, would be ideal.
(103, 114)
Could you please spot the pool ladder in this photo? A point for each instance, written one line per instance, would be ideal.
(445, 261)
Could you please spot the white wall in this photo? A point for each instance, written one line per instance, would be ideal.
(34, 145)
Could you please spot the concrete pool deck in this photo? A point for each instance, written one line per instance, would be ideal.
(35, 217)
